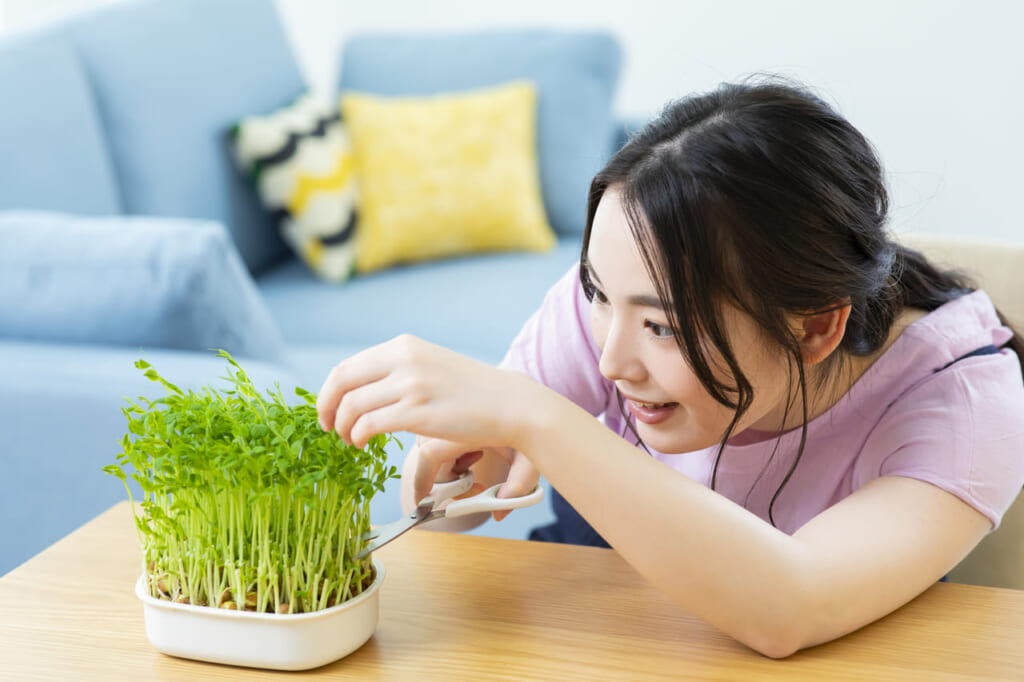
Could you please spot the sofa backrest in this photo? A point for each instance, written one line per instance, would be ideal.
(51, 142)
(170, 78)
(127, 109)
(575, 72)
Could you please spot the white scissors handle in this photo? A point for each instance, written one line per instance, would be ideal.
(488, 501)
(426, 510)
(443, 491)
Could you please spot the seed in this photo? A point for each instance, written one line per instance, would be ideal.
(229, 605)
(224, 596)
(182, 599)
(161, 584)
(250, 600)
(283, 608)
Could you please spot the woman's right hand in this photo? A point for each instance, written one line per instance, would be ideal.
(490, 466)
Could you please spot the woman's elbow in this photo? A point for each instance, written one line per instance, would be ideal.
(777, 646)
(778, 636)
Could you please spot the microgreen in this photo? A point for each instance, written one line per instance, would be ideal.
(246, 502)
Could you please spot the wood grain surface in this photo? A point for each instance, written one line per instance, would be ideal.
(459, 607)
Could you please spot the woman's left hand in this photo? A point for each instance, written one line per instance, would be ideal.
(407, 384)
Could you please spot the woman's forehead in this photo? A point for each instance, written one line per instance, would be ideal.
(613, 260)
(611, 244)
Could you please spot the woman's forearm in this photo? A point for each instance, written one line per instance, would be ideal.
(711, 556)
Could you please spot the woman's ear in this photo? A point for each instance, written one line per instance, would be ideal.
(820, 333)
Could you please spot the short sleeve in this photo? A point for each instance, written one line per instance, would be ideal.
(961, 430)
(557, 349)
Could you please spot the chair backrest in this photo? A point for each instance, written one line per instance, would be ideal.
(998, 268)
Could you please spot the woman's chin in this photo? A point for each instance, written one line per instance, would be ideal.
(670, 441)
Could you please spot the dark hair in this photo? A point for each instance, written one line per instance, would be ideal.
(760, 195)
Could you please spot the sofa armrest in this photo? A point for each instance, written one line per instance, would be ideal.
(148, 281)
(61, 421)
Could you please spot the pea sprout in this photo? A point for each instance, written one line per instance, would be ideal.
(246, 502)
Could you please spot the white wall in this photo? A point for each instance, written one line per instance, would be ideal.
(938, 85)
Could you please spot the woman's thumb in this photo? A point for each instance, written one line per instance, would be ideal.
(438, 455)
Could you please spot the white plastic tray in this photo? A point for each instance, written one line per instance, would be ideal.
(262, 640)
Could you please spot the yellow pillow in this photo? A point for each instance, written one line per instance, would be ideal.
(446, 174)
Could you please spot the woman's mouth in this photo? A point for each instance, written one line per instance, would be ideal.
(651, 413)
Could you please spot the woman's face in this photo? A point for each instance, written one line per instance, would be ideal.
(673, 411)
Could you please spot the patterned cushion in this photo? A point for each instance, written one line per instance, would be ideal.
(301, 163)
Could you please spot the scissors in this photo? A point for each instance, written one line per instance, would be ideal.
(487, 501)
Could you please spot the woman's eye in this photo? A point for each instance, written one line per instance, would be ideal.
(599, 296)
(658, 330)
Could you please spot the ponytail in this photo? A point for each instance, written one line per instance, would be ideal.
(918, 283)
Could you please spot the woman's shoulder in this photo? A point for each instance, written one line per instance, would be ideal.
(956, 329)
(926, 342)
(946, 365)
(950, 407)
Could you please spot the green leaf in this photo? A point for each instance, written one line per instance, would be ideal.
(115, 470)
(310, 398)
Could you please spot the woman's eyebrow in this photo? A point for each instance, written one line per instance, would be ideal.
(643, 300)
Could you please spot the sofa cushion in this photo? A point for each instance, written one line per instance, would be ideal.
(575, 73)
(474, 305)
(153, 282)
(170, 80)
(53, 152)
(446, 175)
(300, 162)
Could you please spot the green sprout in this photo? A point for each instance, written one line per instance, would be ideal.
(246, 502)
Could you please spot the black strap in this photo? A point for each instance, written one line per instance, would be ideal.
(984, 350)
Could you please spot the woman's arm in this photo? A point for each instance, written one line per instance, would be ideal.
(852, 564)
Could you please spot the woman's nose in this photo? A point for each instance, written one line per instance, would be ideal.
(619, 361)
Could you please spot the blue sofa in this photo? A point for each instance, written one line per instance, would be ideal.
(126, 232)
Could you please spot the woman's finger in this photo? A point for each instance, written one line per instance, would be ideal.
(465, 461)
(366, 366)
(384, 419)
(523, 477)
(360, 401)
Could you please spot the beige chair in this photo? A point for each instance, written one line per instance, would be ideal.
(998, 268)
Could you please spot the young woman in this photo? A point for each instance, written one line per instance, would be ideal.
(814, 422)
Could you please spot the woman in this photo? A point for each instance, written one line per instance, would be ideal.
(805, 424)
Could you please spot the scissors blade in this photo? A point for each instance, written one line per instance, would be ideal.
(382, 535)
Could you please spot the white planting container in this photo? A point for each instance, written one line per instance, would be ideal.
(296, 641)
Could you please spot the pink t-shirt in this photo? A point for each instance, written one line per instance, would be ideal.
(959, 428)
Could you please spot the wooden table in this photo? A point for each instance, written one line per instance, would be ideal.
(458, 607)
